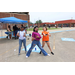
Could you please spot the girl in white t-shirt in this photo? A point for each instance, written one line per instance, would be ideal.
(22, 39)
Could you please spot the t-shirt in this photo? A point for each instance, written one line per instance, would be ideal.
(45, 38)
(34, 34)
(15, 28)
(21, 33)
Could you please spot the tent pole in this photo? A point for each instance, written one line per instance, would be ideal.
(11, 31)
(1, 29)
(28, 24)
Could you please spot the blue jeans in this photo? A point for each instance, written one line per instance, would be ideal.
(15, 33)
(34, 43)
(20, 44)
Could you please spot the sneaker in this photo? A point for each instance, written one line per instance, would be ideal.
(40, 52)
(52, 53)
(48, 54)
(26, 56)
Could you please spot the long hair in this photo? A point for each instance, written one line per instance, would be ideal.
(45, 27)
(9, 26)
(35, 28)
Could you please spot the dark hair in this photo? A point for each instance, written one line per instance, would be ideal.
(22, 27)
(15, 25)
(35, 28)
(9, 26)
(46, 28)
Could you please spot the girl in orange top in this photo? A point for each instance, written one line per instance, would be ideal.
(45, 39)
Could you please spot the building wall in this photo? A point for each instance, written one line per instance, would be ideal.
(20, 16)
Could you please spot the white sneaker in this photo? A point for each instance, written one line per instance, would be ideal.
(26, 56)
(48, 54)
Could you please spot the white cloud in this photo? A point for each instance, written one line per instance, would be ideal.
(51, 16)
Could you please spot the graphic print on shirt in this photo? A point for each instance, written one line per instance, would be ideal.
(45, 38)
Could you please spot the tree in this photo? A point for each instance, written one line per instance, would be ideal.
(38, 21)
(31, 23)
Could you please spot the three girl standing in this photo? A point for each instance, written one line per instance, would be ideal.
(35, 41)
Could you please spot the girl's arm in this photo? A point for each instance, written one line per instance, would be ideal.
(18, 35)
(38, 36)
(49, 34)
(33, 38)
(43, 34)
(24, 35)
(8, 29)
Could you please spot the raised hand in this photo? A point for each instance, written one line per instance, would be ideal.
(37, 37)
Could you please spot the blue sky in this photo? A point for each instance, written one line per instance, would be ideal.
(51, 16)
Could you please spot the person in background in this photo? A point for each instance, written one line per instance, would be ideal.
(9, 30)
(22, 25)
(15, 29)
(45, 39)
(22, 39)
(36, 41)
(49, 26)
(26, 27)
(44, 25)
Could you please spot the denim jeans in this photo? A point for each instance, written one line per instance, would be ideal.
(15, 33)
(34, 43)
(20, 44)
